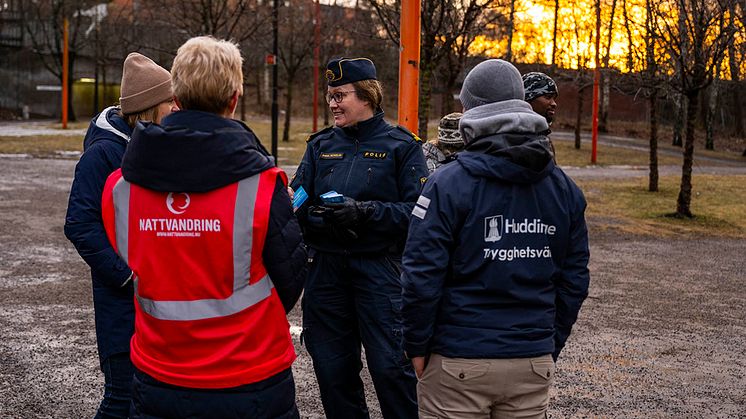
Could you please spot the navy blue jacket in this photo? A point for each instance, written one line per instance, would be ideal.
(193, 151)
(372, 162)
(103, 148)
(495, 265)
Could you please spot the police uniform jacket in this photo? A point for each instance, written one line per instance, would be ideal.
(373, 162)
(495, 265)
(103, 147)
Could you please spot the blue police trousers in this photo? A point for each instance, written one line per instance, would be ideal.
(349, 300)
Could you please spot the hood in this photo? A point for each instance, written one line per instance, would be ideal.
(503, 142)
(509, 116)
(193, 151)
(110, 121)
(512, 158)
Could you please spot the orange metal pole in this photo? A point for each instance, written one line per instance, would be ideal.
(409, 64)
(596, 80)
(65, 63)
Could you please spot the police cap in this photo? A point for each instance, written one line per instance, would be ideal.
(341, 71)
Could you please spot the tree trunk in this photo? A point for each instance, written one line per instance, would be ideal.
(426, 75)
(683, 203)
(511, 29)
(258, 74)
(604, 114)
(288, 107)
(70, 110)
(630, 44)
(710, 120)
(678, 121)
(243, 104)
(579, 117)
(446, 100)
(606, 76)
(105, 95)
(653, 178)
(554, 36)
(735, 77)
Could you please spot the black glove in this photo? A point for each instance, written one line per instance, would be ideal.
(350, 212)
(317, 217)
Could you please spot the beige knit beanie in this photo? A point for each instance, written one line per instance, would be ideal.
(144, 84)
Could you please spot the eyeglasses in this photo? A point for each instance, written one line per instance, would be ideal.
(337, 96)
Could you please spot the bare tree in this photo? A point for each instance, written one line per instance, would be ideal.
(511, 29)
(735, 71)
(444, 22)
(43, 23)
(583, 33)
(651, 81)
(295, 45)
(554, 35)
(712, 100)
(605, 74)
(696, 43)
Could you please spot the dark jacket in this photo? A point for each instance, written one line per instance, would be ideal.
(372, 162)
(495, 265)
(195, 151)
(103, 148)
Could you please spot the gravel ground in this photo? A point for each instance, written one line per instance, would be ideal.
(662, 334)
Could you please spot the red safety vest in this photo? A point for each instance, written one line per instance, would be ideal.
(206, 312)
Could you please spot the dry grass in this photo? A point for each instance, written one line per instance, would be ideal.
(40, 146)
(568, 155)
(625, 205)
(724, 142)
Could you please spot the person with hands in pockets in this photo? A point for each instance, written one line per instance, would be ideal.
(353, 293)
(495, 268)
(146, 96)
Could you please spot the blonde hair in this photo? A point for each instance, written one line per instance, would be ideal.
(369, 91)
(205, 73)
(150, 114)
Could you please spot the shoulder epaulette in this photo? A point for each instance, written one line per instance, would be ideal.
(317, 134)
(409, 133)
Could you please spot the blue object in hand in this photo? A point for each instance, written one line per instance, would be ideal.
(332, 197)
(299, 198)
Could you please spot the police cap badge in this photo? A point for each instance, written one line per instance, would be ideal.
(341, 71)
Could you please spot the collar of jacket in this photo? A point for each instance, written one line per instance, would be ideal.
(530, 151)
(110, 123)
(366, 128)
(510, 116)
(193, 151)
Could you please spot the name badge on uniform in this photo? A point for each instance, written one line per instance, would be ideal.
(375, 154)
(332, 156)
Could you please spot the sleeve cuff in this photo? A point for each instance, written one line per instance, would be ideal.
(411, 350)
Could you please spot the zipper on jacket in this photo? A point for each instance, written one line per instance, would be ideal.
(370, 173)
(352, 165)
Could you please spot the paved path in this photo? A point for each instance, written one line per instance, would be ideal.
(36, 128)
(643, 171)
(637, 144)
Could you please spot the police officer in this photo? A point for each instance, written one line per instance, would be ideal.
(353, 291)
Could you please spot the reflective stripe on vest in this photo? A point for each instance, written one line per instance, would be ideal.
(244, 294)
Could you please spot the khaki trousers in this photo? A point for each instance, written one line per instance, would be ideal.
(485, 388)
